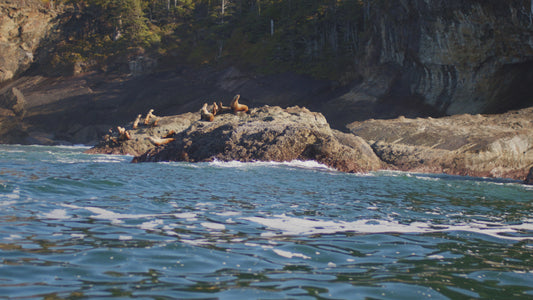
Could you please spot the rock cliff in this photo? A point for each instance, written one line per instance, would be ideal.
(444, 57)
(23, 25)
(417, 57)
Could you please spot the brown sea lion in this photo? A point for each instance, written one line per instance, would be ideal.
(136, 122)
(222, 108)
(205, 115)
(235, 106)
(149, 115)
(215, 109)
(159, 141)
(123, 134)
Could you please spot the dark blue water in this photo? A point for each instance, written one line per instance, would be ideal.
(76, 226)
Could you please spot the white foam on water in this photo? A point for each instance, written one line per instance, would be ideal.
(196, 242)
(7, 203)
(188, 215)
(101, 213)
(151, 225)
(288, 254)
(228, 213)
(112, 158)
(58, 214)
(213, 226)
(297, 226)
(13, 237)
(303, 164)
(15, 195)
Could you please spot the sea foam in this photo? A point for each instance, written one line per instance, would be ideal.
(298, 226)
(302, 164)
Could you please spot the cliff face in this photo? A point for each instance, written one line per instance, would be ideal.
(23, 25)
(457, 56)
(420, 58)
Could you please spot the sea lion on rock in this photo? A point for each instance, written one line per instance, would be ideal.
(149, 116)
(222, 108)
(215, 109)
(205, 115)
(235, 106)
(123, 134)
(136, 122)
(159, 141)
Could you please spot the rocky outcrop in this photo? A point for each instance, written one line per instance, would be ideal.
(267, 134)
(139, 141)
(474, 145)
(12, 111)
(13, 100)
(23, 25)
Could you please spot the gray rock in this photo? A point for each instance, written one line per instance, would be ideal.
(268, 134)
(475, 145)
(13, 100)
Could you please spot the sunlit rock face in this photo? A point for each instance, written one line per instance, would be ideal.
(475, 145)
(456, 56)
(23, 25)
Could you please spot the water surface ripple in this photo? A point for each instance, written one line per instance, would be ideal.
(75, 226)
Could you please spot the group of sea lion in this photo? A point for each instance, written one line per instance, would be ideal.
(152, 120)
(219, 108)
(149, 120)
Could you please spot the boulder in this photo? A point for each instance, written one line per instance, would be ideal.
(268, 134)
(475, 145)
(13, 100)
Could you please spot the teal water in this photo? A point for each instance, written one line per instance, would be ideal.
(79, 226)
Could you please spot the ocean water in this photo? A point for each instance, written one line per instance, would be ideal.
(79, 226)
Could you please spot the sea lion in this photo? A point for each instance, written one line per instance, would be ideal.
(222, 108)
(159, 141)
(205, 115)
(215, 109)
(123, 134)
(136, 122)
(235, 106)
(150, 115)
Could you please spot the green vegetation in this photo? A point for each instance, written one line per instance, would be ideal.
(322, 38)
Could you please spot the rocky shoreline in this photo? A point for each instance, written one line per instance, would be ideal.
(496, 146)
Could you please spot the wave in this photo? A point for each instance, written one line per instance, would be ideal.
(300, 164)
